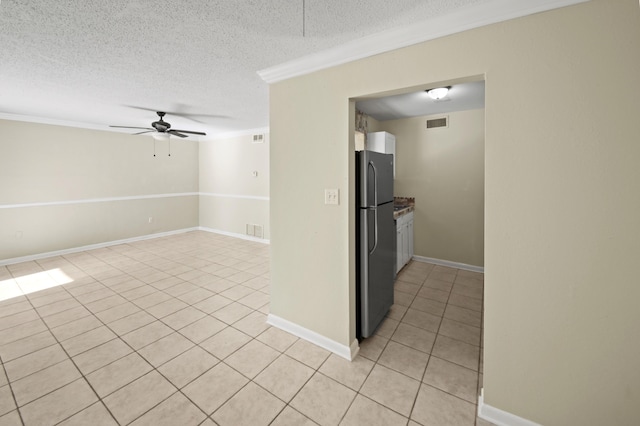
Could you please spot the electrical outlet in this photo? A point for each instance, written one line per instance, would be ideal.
(332, 196)
(150, 219)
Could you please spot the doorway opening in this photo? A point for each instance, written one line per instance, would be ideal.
(438, 292)
(439, 168)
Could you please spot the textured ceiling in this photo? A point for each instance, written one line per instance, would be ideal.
(89, 62)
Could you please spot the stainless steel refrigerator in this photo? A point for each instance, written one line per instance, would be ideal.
(375, 240)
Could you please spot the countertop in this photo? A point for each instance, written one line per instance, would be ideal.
(401, 211)
(402, 206)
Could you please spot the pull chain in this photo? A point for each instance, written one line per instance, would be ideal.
(154, 147)
(169, 146)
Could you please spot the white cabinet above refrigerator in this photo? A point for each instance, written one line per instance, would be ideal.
(383, 142)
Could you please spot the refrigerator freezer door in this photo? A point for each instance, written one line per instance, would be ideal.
(375, 178)
(377, 263)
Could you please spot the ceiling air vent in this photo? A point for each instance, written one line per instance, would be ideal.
(438, 122)
(258, 139)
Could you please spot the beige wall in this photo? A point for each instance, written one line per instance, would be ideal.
(94, 170)
(561, 202)
(443, 168)
(231, 197)
(374, 125)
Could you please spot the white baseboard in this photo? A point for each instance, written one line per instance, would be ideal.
(500, 417)
(235, 235)
(124, 241)
(92, 246)
(354, 348)
(346, 352)
(450, 264)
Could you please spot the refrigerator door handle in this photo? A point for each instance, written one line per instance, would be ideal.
(375, 183)
(375, 230)
(375, 206)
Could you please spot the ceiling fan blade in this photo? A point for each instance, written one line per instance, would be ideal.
(190, 115)
(141, 133)
(180, 114)
(188, 131)
(130, 127)
(177, 133)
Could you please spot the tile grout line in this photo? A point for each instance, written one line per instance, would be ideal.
(154, 368)
(13, 395)
(134, 351)
(77, 368)
(15, 400)
(315, 371)
(415, 399)
(252, 311)
(250, 380)
(93, 314)
(83, 376)
(375, 363)
(179, 390)
(432, 356)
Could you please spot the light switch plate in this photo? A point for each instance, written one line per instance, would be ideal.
(332, 196)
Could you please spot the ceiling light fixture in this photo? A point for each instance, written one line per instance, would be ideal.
(438, 93)
(160, 136)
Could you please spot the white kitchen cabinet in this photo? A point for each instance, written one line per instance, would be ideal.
(383, 142)
(404, 240)
(399, 245)
(410, 237)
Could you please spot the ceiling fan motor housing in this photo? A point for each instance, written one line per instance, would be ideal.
(161, 125)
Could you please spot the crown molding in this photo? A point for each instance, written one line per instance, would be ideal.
(103, 128)
(50, 121)
(466, 18)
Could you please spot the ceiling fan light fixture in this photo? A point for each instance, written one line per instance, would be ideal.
(160, 136)
(438, 93)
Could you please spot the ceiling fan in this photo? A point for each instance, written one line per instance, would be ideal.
(162, 127)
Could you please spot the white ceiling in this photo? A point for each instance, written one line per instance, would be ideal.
(461, 97)
(93, 63)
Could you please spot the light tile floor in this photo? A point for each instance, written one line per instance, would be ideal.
(172, 331)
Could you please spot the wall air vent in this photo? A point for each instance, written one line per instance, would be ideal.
(438, 122)
(258, 139)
